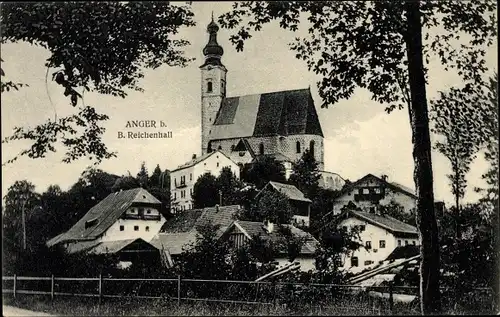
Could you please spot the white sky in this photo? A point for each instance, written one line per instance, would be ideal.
(360, 137)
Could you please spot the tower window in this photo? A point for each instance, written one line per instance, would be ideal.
(261, 148)
(209, 86)
(298, 146)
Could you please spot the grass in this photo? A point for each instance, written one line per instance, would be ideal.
(156, 307)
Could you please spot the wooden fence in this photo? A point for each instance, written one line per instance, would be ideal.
(173, 288)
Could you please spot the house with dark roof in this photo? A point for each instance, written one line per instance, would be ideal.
(123, 221)
(301, 206)
(240, 233)
(183, 178)
(181, 230)
(379, 236)
(280, 123)
(371, 191)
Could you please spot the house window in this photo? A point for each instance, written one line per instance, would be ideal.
(175, 181)
(414, 242)
(148, 211)
(122, 228)
(190, 176)
(191, 191)
(368, 245)
(366, 191)
(377, 190)
(368, 262)
(175, 195)
(217, 164)
(406, 242)
(147, 228)
(261, 148)
(298, 146)
(382, 244)
(209, 86)
(136, 228)
(354, 261)
(311, 147)
(399, 243)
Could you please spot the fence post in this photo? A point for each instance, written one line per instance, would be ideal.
(15, 286)
(100, 289)
(52, 287)
(391, 298)
(178, 289)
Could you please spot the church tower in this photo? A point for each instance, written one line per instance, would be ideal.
(213, 84)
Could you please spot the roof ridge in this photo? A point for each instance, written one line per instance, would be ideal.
(270, 92)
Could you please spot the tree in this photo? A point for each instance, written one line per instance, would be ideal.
(272, 206)
(396, 211)
(125, 183)
(263, 170)
(205, 191)
(305, 174)
(379, 46)
(156, 177)
(322, 204)
(229, 187)
(143, 176)
(95, 46)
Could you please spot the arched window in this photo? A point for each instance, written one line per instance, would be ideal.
(261, 149)
(209, 86)
(298, 146)
(311, 147)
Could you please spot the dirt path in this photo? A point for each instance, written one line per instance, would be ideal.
(9, 311)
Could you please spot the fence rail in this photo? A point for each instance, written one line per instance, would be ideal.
(179, 289)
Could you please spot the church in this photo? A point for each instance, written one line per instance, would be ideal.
(280, 124)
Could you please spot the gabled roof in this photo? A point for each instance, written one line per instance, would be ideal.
(180, 230)
(290, 191)
(244, 145)
(392, 225)
(394, 186)
(198, 160)
(251, 229)
(276, 113)
(110, 247)
(100, 217)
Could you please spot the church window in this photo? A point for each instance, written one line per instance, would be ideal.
(261, 149)
(311, 147)
(209, 86)
(298, 146)
(209, 150)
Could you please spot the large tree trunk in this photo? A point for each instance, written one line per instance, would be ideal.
(426, 218)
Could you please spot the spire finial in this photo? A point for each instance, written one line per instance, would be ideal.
(212, 15)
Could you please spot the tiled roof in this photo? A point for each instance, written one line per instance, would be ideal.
(174, 242)
(394, 186)
(403, 187)
(109, 247)
(180, 230)
(276, 113)
(257, 229)
(391, 224)
(100, 217)
(404, 252)
(277, 156)
(198, 160)
(288, 190)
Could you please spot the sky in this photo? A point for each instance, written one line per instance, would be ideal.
(360, 137)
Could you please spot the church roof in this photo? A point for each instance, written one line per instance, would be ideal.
(276, 113)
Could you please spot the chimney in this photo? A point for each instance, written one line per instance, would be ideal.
(268, 226)
(384, 177)
(194, 157)
(217, 208)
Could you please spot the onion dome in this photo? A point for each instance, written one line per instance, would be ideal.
(213, 51)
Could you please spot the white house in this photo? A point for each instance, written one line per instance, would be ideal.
(379, 235)
(124, 219)
(371, 191)
(241, 232)
(183, 178)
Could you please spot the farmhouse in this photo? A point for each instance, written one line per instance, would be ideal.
(241, 232)
(123, 222)
(301, 206)
(379, 236)
(183, 178)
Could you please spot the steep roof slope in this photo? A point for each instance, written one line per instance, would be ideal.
(391, 224)
(276, 113)
(290, 191)
(100, 217)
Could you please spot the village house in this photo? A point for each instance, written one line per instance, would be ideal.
(180, 231)
(379, 236)
(183, 178)
(301, 206)
(124, 222)
(371, 191)
(240, 233)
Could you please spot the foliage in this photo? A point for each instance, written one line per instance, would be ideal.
(397, 211)
(94, 46)
(125, 183)
(229, 187)
(263, 170)
(143, 176)
(272, 206)
(322, 204)
(159, 178)
(205, 191)
(305, 174)
(8, 85)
